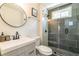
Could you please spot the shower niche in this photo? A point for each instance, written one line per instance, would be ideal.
(63, 32)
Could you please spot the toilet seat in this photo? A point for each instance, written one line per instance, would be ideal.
(44, 50)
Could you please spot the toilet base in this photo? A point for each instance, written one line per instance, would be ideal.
(39, 54)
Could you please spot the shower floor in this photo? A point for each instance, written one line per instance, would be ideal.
(62, 52)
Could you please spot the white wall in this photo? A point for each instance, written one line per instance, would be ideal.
(29, 29)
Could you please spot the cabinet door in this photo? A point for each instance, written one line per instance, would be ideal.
(26, 50)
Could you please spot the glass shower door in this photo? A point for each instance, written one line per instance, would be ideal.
(68, 30)
(63, 34)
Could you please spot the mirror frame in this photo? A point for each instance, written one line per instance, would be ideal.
(10, 24)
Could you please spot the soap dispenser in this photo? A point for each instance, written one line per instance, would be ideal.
(2, 34)
(2, 37)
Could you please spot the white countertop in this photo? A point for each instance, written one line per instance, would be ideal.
(14, 44)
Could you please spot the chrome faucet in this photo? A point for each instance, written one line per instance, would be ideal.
(17, 35)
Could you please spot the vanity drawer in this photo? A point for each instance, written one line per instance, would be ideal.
(22, 51)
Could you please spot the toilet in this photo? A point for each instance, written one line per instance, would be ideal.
(42, 50)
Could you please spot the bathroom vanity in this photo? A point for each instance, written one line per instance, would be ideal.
(20, 47)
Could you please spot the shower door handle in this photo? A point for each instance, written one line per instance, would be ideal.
(66, 31)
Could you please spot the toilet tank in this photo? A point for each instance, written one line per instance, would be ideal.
(37, 41)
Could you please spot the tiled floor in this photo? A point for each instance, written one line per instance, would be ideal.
(61, 52)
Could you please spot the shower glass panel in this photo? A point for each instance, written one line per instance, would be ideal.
(53, 33)
(64, 32)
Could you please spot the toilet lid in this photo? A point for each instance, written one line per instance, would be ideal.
(45, 50)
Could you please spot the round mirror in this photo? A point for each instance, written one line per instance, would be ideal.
(13, 15)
